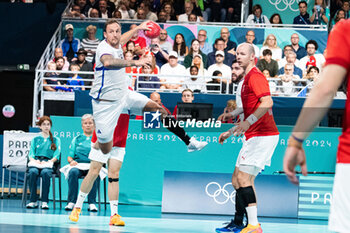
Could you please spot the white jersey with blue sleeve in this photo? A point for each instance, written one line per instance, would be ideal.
(109, 84)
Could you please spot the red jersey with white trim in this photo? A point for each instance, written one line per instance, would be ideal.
(254, 87)
(338, 53)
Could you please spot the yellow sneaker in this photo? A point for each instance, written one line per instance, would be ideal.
(116, 220)
(74, 216)
(252, 229)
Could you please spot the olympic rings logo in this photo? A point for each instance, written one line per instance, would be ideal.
(221, 192)
(286, 4)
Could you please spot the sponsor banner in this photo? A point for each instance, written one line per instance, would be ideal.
(212, 193)
(16, 147)
(315, 196)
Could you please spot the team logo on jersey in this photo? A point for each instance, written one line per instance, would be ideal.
(99, 131)
(151, 120)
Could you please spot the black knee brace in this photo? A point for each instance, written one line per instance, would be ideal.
(248, 195)
(110, 180)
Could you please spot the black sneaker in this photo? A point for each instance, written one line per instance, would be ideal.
(230, 227)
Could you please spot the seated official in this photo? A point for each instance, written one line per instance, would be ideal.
(79, 150)
(44, 152)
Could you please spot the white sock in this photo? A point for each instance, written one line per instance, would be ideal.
(252, 212)
(80, 200)
(114, 207)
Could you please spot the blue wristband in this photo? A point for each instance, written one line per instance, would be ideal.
(298, 139)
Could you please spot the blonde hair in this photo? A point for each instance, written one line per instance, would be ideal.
(91, 27)
(275, 44)
(231, 104)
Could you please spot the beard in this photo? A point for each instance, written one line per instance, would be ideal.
(238, 79)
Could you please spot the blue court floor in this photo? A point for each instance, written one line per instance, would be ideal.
(138, 219)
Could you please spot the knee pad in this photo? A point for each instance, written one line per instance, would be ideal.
(111, 180)
(248, 195)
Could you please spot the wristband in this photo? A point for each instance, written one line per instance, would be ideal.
(294, 143)
(252, 119)
(298, 139)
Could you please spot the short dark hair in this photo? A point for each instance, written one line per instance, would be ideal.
(111, 21)
(217, 72)
(302, 2)
(312, 42)
(255, 7)
(58, 58)
(288, 45)
(218, 39)
(313, 68)
(267, 52)
(194, 67)
(187, 89)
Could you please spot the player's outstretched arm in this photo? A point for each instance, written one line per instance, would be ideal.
(110, 62)
(315, 107)
(127, 35)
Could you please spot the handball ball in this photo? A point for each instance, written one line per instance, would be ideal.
(155, 30)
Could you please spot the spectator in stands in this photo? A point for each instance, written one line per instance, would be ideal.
(50, 77)
(128, 55)
(193, 51)
(346, 8)
(85, 65)
(162, 17)
(104, 13)
(250, 37)
(90, 43)
(44, 151)
(75, 12)
(219, 45)
(140, 14)
(155, 96)
(298, 49)
(133, 4)
(233, 11)
(216, 10)
(287, 82)
(148, 70)
(59, 53)
(78, 155)
(187, 97)
(198, 61)
(75, 80)
(169, 9)
(257, 17)
(311, 59)
(124, 9)
(116, 14)
(163, 41)
(69, 44)
(94, 13)
(161, 56)
(60, 63)
(291, 59)
(230, 46)
(272, 83)
(219, 65)
(130, 46)
(195, 82)
(312, 74)
(180, 47)
(198, 8)
(140, 42)
(339, 16)
(205, 47)
(268, 63)
(172, 68)
(303, 17)
(156, 69)
(84, 7)
(145, 5)
(215, 83)
(230, 106)
(192, 17)
(271, 43)
(286, 50)
(320, 13)
(188, 10)
(276, 19)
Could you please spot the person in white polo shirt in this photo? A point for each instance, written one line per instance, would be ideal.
(172, 68)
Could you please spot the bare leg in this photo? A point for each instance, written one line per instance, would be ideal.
(90, 178)
(104, 147)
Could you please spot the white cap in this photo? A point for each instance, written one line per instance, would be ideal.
(219, 52)
(173, 54)
(69, 26)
